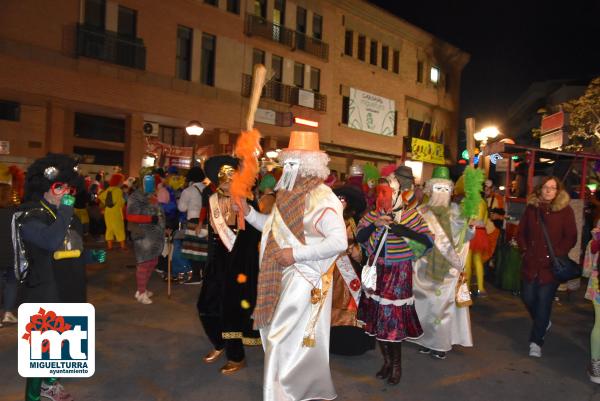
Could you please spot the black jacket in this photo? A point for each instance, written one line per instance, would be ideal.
(6, 248)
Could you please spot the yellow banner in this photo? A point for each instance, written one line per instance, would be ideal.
(427, 151)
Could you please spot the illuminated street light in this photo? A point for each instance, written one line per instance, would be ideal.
(486, 134)
(194, 128)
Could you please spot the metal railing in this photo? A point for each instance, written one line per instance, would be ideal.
(109, 46)
(258, 26)
(283, 93)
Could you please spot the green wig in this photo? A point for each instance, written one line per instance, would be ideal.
(370, 173)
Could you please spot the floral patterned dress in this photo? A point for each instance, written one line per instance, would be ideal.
(389, 313)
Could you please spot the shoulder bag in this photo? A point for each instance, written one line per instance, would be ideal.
(563, 267)
(368, 275)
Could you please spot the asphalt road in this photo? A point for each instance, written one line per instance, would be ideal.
(154, 352)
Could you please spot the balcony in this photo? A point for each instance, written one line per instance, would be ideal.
(258, 26)
(286, 94)
(110, 47)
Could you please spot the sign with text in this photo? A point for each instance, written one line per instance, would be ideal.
(371, 113)
(265, 116)
(306, 98)
(554, 121)
(553, 140)
(427, 151)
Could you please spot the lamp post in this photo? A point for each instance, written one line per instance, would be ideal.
(194, 128)
(483, 136)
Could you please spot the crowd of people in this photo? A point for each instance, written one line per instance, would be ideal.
(306, 266)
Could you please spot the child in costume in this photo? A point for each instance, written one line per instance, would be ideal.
(113, 200)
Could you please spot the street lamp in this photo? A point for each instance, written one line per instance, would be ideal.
(485, 134)
(194, 128)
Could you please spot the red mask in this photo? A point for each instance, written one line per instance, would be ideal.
(384, 198)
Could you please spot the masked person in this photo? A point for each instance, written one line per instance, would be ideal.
(437, 274)
(49, 237)
(114, 201)
(228, 292)
(391, 234)
(301, 239)
(146, 222)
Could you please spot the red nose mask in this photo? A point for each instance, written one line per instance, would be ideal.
(384, 198)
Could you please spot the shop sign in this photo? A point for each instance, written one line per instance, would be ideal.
(553, 140)
(371, 113)
(554, 122)
(427, 151)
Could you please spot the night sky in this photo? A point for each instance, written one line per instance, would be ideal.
(512, 44)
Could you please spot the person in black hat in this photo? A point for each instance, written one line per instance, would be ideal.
(347, 335)
(228, 292)
(49, 236)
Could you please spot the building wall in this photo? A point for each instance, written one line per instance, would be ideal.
(38, 68)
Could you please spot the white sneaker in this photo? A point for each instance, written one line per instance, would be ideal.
(55, 392)
(137, 294)
(9, 318)
(144, 298)
(535, 350)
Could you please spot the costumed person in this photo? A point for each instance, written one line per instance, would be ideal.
(146, 223)
(356, 176)
(48, 236)
(347, 335)
(267, 190)
(371, 179)
(393, 235)
(590, 269)
(11, 184)
(301, 239)
(437, 275)
(194, 246)
(479, 244)
(495, 221)
(113, 200)
(228, 293)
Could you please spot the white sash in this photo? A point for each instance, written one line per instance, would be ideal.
(442, 241)
(226, 235)
(349, 275)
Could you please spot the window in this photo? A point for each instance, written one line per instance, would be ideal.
(95, 13)
(207, 74)
(174, 136)
(258, 57)
(348, 43)
(279, 12)
(299, 75)
(260, 8)
(434, 75)
(212, 2)
(10, 111)
(184, 52)
(301, 19)
(317, 26)
(419, 71)
(396, 65)
(373, 53)
(127, 23)
(277, 66)
(99, 128)
(362, 43)
(345, 109)
(385, 55)
(315, 79)
(233, 6)
(101, 156)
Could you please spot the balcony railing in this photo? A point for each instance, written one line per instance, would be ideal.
(258, 26)
(286, 94)
(109, 46)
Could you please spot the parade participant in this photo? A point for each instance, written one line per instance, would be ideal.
(113, 200)
(146, 222)
(301, 239)
(590, 269)
(190, 202)
(437, 274)
(347, 335)
(495, 222)
(228, 292)
(48, 235)
(371, 179)
(388, 310)
(267, 191)
(356, 176)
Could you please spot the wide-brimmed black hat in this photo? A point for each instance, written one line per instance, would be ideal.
(196, 174)
(355, 198)
(213, 164)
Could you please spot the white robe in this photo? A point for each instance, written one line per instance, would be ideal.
(294, 372)
(443, 322)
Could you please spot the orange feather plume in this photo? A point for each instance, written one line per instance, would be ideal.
(247, 149)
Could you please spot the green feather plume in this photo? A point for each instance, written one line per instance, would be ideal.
(473, 184)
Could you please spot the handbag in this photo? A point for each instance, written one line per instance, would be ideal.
(563, 267)
(463, 295)
(368, 275)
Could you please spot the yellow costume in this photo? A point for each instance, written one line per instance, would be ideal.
(113, 216)
(478, 248)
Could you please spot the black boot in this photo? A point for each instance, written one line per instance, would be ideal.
(396, 356)
(386, 369)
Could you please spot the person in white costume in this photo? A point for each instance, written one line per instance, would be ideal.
(437, 273)
(301, 240)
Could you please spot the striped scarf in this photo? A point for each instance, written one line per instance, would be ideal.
(291, 205)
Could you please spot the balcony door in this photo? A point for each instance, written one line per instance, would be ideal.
(278, 19)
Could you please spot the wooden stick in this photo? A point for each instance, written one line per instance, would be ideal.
(170, 259)
(258, 81)
(470, 125)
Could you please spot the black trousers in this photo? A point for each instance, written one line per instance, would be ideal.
(234, 349)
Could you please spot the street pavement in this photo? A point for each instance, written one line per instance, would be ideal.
(154, 353)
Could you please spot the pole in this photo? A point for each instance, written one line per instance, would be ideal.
(470, 126)
(170, 259)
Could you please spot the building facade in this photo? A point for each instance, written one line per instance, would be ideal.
(104, 78)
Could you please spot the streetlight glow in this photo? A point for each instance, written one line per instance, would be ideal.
(194, 128)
